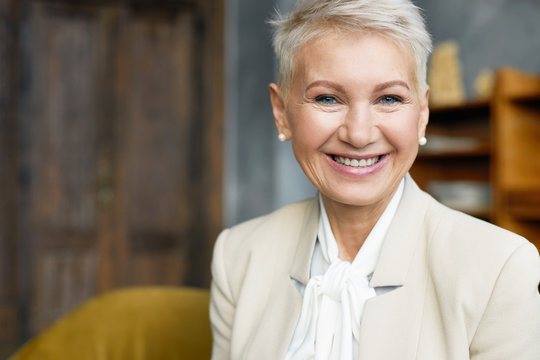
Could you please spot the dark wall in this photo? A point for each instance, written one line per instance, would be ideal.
(490, 33)
(248, 157)
(260, 173)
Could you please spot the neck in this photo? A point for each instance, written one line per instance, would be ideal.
(351, 225)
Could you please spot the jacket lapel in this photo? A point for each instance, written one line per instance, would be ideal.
(287, 304)
(301, 264)
(391, 322)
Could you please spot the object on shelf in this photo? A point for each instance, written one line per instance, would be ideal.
(441, 144)
(484, 84)
(468, 196)
(445, 75)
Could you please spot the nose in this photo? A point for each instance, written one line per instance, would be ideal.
(358, 127)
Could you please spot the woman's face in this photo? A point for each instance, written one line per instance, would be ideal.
(354, 116)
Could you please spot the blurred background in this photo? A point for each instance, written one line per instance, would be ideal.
(132, 131)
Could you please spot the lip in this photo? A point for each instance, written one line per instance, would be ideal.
(357, 171)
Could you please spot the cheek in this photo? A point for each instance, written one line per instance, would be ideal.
(402, 132)
(311, 128)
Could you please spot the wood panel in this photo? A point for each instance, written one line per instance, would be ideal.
(8, 172)
(522, 135)
(211, 148)
(118, 145)
(64, 279)
(154, 156)
(59, 106)
(516, 164)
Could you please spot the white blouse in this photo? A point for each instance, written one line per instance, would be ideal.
(334, 297)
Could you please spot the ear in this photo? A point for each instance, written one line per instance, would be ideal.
(278, 109)
(424, 114)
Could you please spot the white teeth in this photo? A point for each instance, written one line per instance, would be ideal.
(355, 162)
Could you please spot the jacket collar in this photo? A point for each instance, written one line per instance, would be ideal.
(402, 238)
(287, 306)
(396, 317)
(398, 247)
(301, 264)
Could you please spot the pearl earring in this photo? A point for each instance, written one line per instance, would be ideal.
(422, 141)
(282, 137)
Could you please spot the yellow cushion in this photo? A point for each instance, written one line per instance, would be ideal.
(157, 323)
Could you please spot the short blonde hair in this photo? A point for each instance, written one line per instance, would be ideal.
(398, 20)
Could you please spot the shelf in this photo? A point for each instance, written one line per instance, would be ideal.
(454, 146)
(478, 105)
(471, 197)
(469, 149)
(516, 85)
(524, 204)
(531, 101)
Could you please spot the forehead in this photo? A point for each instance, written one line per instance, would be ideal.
(347, 56)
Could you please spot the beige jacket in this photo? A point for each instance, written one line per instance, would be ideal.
(466, 289)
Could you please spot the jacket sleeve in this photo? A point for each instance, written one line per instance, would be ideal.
(222, 306)
(510, 325)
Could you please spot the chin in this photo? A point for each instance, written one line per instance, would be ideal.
(356, 198)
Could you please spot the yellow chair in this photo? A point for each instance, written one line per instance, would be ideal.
(141, 323)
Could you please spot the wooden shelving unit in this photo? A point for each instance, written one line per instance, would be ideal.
(516, 162)
(483, 157)
(456, 160)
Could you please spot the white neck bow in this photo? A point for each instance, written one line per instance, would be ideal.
(329, 325)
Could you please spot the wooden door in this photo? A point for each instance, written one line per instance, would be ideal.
(119, 121)
(8, 180)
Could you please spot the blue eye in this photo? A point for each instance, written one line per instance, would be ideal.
(326, 100)
(390, 99)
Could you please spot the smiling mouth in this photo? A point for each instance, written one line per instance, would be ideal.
(357, 163)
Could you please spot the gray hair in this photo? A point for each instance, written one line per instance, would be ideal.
(398, 20)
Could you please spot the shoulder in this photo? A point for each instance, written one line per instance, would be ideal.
(288, 213)
(270, 227)
(453, 231)
(468, 256)
(477, 269)
(254, 251)
(267, 237)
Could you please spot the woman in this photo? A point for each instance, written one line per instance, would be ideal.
(373, 268)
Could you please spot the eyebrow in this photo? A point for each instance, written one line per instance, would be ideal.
(391, 83)
(378, 87)
(325, 83)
